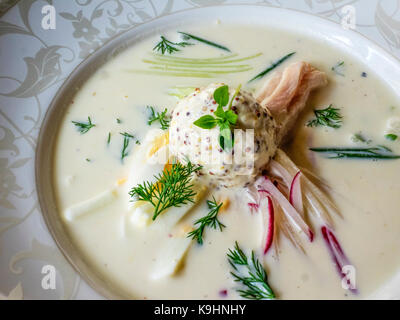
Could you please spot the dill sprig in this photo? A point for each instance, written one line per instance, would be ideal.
(127, 138)
(211, 220)
(255, 280)
(162, 117)
(329, 117)
(168, 46)
(172, 188)
(338, 68)
(84, 127)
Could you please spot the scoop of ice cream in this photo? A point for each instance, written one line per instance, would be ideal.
(254, 138)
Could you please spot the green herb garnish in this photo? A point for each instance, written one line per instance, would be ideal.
(359, 137)
(109, 138)
(225, 120)
(211, 220)
(391, 137)
(338, 68)
(172, 188)
(127, 138)
(374, 153)
(84, 127)
(119, 121)
(187, 36)
(272, 67)
(162, 117)
(168, 46)
(329, 117)
(255, 278)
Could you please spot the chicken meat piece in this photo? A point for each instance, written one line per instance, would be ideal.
(285, 95)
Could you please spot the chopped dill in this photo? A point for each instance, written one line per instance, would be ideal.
(162, 117)
(109, 138)
(338, 68)
(172, 188)
(359, 137)
(127, 138)
(211, 220)
(329, 117)
(84, 127)
(168, 46)
(254, 279)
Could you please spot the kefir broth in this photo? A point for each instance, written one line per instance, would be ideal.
(366, 192)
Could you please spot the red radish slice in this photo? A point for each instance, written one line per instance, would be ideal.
(253, 206)
(321, 205)
(338, 256)
(266, 186)
(295, 196)
(269, 217)
(252, 195)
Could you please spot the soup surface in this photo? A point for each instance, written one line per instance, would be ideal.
(116, 99)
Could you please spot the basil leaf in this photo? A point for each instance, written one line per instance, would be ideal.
(221, 95)
(225, 137)
(231, 117)
(220, 113)
(206, 122)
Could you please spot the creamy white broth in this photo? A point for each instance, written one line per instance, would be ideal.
(365, 191)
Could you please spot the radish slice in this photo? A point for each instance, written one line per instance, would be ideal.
(287, 230)
(316, 208)
(295, 196)
(323, 207)
(253, 195)
(269, 222)
(319, 180)
(327, 203)
(338, 256)
(266, 186)
(276, 169)
(253, 206)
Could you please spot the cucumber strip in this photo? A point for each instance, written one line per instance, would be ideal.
(187, 65)
(163, 57)
(207, 71)
(199, 61)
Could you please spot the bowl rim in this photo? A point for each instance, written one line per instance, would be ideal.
(107, 51)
